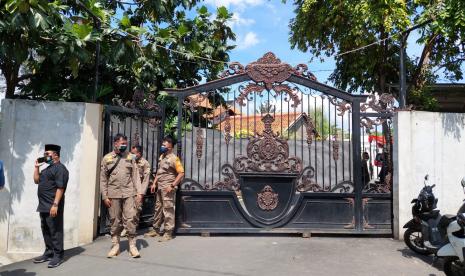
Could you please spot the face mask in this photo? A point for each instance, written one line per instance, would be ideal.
(49, 160)
(123, 148)
(134, 157)
(163, 149)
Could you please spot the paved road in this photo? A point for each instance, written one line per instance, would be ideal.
(242, 255)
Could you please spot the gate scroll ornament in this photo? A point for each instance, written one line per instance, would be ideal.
(144, 103)
(266, 152)
(268, 73)
(306, 183)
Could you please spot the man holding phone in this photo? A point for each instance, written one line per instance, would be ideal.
(52, 182)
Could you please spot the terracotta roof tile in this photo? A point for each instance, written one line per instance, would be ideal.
(200, 101)
(254, 124)
(221, 109)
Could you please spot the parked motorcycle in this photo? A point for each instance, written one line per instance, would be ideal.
(426, 232)
(453, 251)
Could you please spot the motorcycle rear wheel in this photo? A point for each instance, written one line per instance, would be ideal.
(414, 240)
(453, 267)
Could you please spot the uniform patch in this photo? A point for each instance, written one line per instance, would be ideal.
(109, 159)
(178, 166)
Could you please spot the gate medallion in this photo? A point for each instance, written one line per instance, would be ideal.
(267, 199)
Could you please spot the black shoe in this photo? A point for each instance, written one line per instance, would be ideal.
(42, 259)
(55, 262)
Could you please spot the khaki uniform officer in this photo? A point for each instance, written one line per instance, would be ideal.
(144, 172)
(169, 174)
(121, 189)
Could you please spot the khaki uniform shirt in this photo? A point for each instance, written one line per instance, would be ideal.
(169, 166)
(124, 181)
(144, 172)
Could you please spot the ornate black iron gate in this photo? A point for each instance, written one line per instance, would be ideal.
(269, 148)
(143, 125)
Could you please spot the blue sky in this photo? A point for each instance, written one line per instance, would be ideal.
(262, 26)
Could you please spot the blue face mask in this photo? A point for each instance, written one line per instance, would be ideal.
(49, 160)
(163, 149)
(123, 148)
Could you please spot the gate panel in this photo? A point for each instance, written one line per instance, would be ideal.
(143, 128)
(275, 150)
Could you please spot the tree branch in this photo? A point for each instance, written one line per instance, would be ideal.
(127, 3)
(25, 77)
(449, 63)
(424, 60)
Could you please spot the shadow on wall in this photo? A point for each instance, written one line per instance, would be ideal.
(453, 124)
(28, 127)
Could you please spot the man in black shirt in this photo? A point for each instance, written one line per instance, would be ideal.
(51, 192)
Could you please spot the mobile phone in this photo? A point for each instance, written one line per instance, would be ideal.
(41, 160)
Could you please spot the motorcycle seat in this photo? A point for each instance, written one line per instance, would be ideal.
(446, 220)
(429, 215)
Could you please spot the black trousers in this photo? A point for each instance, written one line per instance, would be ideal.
(52, 230)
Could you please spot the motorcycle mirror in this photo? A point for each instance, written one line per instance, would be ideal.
(426, 177)
(434, 185)
(463, 182)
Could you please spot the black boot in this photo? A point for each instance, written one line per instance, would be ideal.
(44, 258)
(56, 261)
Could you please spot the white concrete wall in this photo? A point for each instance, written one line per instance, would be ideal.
(427, 143)
(25, 128)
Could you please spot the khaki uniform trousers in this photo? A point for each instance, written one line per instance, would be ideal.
(123, 212)
(138, 212)
(164, 210)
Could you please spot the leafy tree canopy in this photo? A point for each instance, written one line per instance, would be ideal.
(48, 48)
(330, 27)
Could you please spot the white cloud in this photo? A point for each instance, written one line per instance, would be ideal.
(237, 3)
(237, 20)
(272, 8)
(249, 40)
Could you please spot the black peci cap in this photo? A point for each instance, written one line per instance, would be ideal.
(52, 147)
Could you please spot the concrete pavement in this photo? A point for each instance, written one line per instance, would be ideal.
(242, 255)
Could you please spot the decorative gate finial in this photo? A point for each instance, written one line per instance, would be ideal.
(269, 69)
(269, 73)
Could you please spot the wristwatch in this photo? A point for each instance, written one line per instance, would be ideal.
(55, 204)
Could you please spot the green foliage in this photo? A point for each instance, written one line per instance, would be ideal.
(422, 99)
(243, 133)
(55, 42)
(322, 124)
(329, 27)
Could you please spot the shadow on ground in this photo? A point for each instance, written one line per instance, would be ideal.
(17, 272)
(430, 259)
(73, 252)
(69, 254)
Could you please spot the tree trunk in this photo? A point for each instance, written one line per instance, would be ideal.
(418, 76)
(11, 72)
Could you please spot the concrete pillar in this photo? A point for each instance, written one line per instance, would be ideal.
(26, 126)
